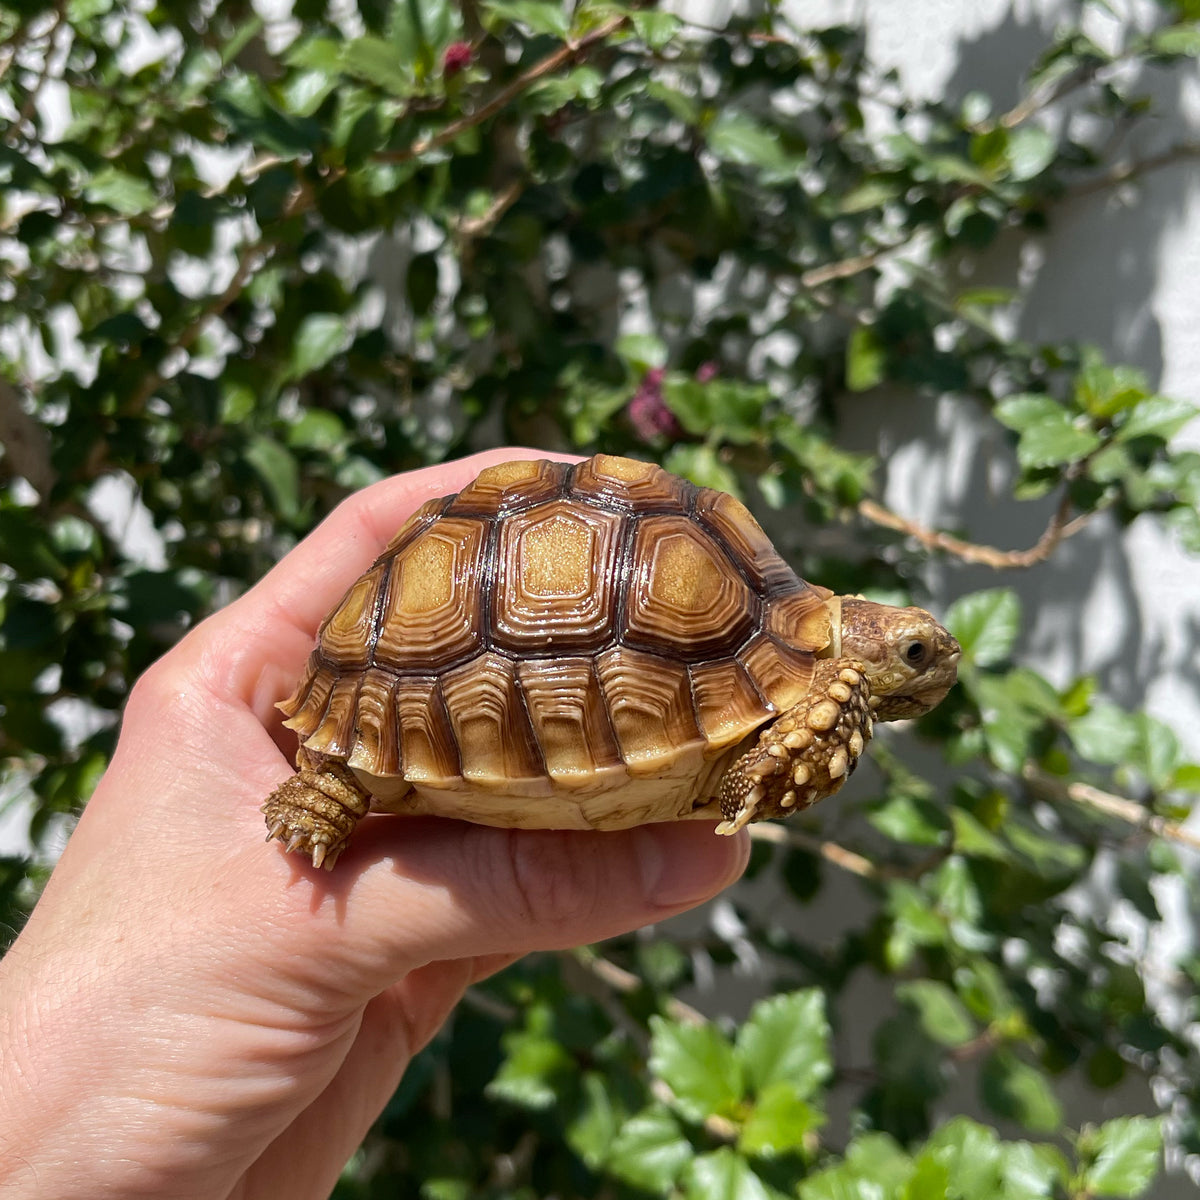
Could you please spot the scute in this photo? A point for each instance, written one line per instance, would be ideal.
(433, 614)
(507, 487)
(734, 525)
(780, 672)
(728, 705)
(684, 597)
(650, 704)
(494, 737)
(628, 485)
(346, 637)
(555, 579)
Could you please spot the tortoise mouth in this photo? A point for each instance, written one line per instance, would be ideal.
(926, 695)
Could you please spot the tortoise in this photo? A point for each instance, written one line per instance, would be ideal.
(591, 646)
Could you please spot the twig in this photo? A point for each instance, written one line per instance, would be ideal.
(1043, 97)
(828, 272)
(473, 227)
(1056, 531)
(504, 97)
(625, 982)
(1120, 807)
(26, 443)
(1124, 172)
(848, 860)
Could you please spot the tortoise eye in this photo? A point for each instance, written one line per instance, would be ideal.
(915, 652)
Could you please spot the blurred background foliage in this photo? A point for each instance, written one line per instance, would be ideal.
(250, 264)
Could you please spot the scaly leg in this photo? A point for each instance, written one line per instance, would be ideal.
(316, 810)
(806, 754)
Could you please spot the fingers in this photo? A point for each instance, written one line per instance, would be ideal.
(415, 890)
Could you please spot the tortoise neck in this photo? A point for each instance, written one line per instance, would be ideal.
(834, 607)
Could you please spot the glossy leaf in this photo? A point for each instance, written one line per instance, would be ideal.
(697, 1063)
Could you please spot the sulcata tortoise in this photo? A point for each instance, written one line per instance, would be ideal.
(591, 646)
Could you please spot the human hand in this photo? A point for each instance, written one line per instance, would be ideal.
(191, 1013)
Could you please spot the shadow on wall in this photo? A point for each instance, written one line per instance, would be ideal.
(1093, 276)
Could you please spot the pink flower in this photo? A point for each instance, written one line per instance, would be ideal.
(457, 57)
(648, 412)
(707, 371)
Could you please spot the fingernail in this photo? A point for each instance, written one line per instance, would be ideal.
(686, 863)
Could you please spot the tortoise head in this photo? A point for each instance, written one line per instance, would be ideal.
(910, 659)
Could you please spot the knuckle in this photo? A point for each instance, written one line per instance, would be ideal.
(553, 882)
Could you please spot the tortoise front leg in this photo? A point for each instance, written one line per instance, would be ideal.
(806, 754)
(316, 810)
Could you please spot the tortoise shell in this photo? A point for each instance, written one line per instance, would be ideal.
(560, 632)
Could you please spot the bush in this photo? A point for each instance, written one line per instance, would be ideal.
(260, 263)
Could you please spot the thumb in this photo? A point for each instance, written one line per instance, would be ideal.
(416, 890)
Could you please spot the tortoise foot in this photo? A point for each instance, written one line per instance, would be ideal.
(315, 811)
(806, 754)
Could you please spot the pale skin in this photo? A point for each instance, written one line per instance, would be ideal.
(190, 1013)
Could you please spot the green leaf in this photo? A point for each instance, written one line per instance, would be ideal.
(1049, 435)
(319, 338)
(723, 1175)
(779, 1121)
(1031, 150)
(911, 819)
(540, 16)
(593, 1128)
(930, 1180)
(1105, 734)
(986, 625)
(970, 1152)
(940, 1012)
(532, 1071)
(875, 1168)
(1018, 1090)
(305, 91)
(1177, 40)
(378, 61)
(643, 351)
(973, 840)
(244, 103)
(120, 191)
(1159, 416)
(737, 138)
(278, 471)
(318, 430)
(697, 1063)
(1123, 1156)
(650, 1151)
(703, 467)
(873, 192)
(1158, 750)
(865, 359)
(786, 1039)
(656, 29)
(1105, 391)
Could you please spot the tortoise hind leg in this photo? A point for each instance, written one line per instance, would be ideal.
(316, 810)
(806, 754)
